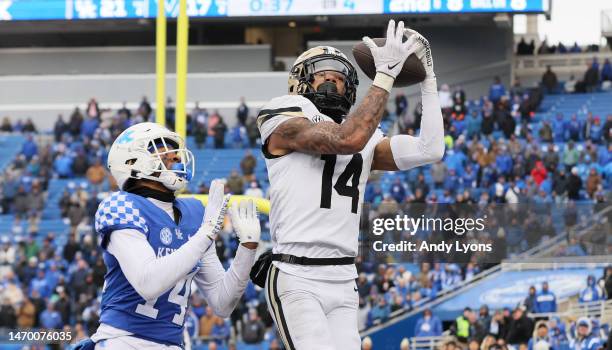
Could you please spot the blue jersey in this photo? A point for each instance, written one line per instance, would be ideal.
(160, 320)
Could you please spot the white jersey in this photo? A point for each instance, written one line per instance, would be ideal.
(316, 200)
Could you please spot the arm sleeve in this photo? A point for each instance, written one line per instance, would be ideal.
(149, 275)
(428, 147)
(223, 289)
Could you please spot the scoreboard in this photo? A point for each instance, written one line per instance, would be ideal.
(13, 10)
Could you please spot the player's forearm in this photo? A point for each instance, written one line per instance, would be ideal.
(223, 289)
(432, 124)
(361, 123)
(428, 147)
(150, 275)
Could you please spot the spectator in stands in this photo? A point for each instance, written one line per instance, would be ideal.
(76, 120)
(428, 325)
(596, 130)
(606, 71)
(574, 185)
(570, 156)
(539, 173)
(607, 282)
(93, 111)
(574, 49)
(592, 292)
(79, 163)
(247, 164)
(551, 159)
(50, 318)
(96, 174)
(235, 183)
(242, 112)
(380, 312)
(593, 182)
(498, 326)
(366, 344)
(6, 125)
(76, 212)
(591, 78)
(252, 131)
(461, 327)
(541, 339)
(585, 339)
(401, 105)
(36, 201)
(521, 327)
(522, 47)
(607, 129)
(446, 100)
(506, 122)
(29, 148)
(559, 128)
(546, 301)
(219, 131)
(398, 190)
(570, 85)
(59, 128)
(20, 203)
(549, 81)
(26, 314)
(220, 331)
(546, 132)
(253, 330)
(484, 322)
(488, 123)
(62, 165)
(207, 321)
(438, 174)
(496, 91)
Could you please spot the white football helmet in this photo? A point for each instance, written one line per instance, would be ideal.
(325, 98)
(135, 154)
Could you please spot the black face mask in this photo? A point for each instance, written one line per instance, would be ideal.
(328, 88)
(329, 102)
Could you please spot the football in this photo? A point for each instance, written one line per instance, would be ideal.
(412, 72)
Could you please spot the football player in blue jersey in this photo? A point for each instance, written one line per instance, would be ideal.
(155, 244)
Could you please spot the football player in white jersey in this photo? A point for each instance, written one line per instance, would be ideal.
(155, 244)
(319, 157)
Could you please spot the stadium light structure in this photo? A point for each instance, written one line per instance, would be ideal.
(182, 43)
(160, 64)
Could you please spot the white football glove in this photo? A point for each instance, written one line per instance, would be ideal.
(390, 58)
(422, 51)
(245, 221)
(215, 209)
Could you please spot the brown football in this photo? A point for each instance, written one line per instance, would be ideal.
(412, 72)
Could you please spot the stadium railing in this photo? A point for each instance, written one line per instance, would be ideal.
(594, 309)
(428, 343)
(563, 64)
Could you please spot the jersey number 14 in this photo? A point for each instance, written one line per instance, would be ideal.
(148, 308)
(352, 172)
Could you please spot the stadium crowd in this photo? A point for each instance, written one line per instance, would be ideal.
(494, 159)
(532, 324)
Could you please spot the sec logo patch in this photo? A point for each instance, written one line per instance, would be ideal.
(165, 236)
